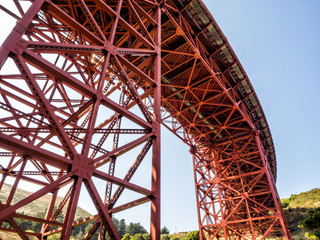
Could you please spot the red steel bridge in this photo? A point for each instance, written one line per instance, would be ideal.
(85, 86)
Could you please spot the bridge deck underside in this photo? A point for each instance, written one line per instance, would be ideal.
(80, 95)
(214, 108)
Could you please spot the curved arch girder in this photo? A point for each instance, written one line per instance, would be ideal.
(80, 92)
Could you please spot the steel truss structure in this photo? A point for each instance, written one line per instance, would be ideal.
(85, 86)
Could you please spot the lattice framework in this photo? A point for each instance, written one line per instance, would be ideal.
(82, 87)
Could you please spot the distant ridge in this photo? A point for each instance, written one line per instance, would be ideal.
(296, 209)
(36, 207)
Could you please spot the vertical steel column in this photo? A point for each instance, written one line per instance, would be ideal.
(84, 52)
(234, 202)
(156, 164)
(275, 195)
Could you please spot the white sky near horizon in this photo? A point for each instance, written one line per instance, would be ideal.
(277, 43)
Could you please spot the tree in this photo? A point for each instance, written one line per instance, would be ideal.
(165, 237)
(134, 228)
(193, 236)
(122, 227)
(146, 236)
(165, 230)
(312, 224)
(24, 224)
(87, 227)
(138, 236)
(126, 237)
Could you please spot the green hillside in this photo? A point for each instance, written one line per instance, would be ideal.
(297, 208)
(35, 209)
(310, 199)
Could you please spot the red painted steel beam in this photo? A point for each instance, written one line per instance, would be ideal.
(227, 125)
(14, 145)
(75, 84)
(87, 66)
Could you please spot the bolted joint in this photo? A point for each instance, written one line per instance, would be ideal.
(162, 3)
(82, 168)
(193, 150)
(14, 45)
(154, 136)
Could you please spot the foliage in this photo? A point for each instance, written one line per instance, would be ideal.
(126, 237)
(137, 236)
(309, 199)
(165, 230)
(303, 209)
(293, 197)
(193, 236)
(140, 236)
(313, 220)
(285, 202)
(312, 224)
(87, 228)
(315, 235)
(55, 236)
(146, 236)
(120, 226)
(29, 225)
(296, 209)
(165, 237)
(179, 236)
(135, 228)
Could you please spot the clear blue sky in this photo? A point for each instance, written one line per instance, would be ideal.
(277, 44)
